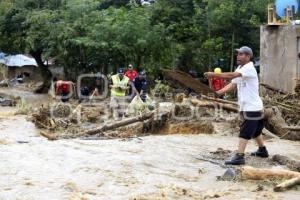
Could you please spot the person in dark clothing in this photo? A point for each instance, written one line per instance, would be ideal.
(140, 85)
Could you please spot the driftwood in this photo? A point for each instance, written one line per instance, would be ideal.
(118, 124)
(101, 129)
(275, 121)
(284, 160)
(219, 100)
(292, 128)
(273, 88)
(252, 173)
(199, 103)
(287, 184)
(269, 133)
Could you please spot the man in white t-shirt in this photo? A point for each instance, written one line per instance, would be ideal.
(245, 80)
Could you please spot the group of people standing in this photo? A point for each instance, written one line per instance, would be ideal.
(125, 85)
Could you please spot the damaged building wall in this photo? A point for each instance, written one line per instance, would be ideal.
(279, 49)
(12, 72)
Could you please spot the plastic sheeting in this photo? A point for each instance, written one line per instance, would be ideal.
(18, 61)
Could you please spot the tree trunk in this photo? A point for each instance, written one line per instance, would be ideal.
(284, 160)
(252, 173)
(45, 72)
(232, 51)
(118, 124)
(208, 104)
(275, 121)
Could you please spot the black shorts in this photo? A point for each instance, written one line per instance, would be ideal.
(252, 124)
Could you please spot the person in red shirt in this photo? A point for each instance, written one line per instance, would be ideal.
(63, 89)
(131, 74)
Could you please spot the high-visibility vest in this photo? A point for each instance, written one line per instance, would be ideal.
(119, 83)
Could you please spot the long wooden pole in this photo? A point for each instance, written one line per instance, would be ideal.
(117, 124)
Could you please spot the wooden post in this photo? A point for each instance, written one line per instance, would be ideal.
(271, 14)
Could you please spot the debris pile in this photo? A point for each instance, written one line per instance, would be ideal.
(64, 117)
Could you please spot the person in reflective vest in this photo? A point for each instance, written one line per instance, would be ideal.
(119, 86)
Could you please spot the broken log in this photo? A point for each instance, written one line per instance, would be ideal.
(252, 173)
(118, 124)
(275, 121)
(188, 81)
(287, 184)
(284, 160)
(269, 133)
(273, 88)
(199, 103)
(219, 100)
(292, 128)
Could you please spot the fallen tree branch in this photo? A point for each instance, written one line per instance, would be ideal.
(252, 173)
(273, 88)
(269, 133)
(188, 81)
(292, 128)
(199, 103)
(118, 124)
(287, 184)
(276, 121)
(284, 160)
(219, 100)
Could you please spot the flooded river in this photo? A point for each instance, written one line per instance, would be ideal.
(152, 167)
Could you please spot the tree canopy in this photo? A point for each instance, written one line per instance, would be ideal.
(101, 35)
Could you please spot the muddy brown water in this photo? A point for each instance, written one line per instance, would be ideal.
(152, 167)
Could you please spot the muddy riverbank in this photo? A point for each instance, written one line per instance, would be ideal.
(151, 167)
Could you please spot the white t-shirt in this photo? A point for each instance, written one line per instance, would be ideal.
(248, 88)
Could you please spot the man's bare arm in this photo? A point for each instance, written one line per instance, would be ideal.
(227, 88)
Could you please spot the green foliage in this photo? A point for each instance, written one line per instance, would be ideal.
(102, 35)
(161, 88)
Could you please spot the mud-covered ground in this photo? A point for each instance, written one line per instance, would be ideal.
(151, 167)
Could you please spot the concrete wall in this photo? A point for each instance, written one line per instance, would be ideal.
(279, 47)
